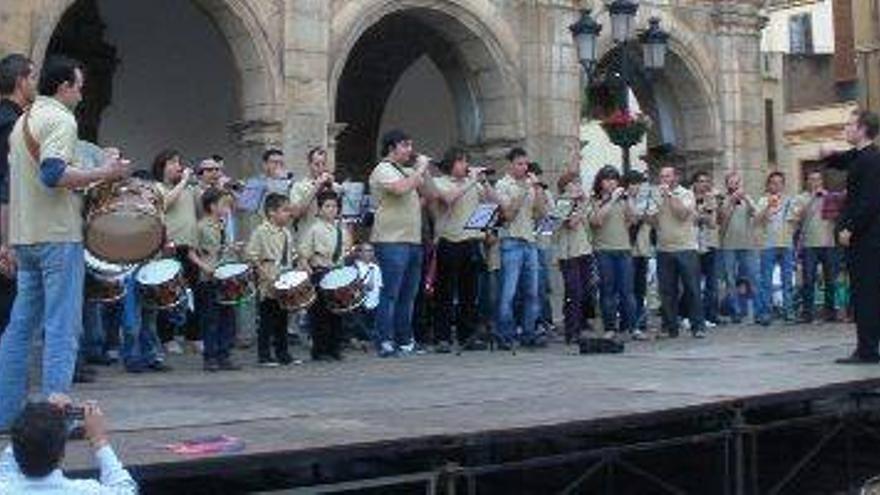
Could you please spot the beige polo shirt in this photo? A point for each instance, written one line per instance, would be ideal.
(302, 195)
(674, 234)
(573, 242)
(613, 235)
(398, 216)
(817, 231)
(180, 216)
(210, 243)
(265, 250)
(778, 229)
(522, 226)
(318, 244)
(38, 213)
(452, 219)
(738, 232)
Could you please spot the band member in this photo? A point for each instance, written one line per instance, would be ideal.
(610, 217)
(736, 224)
(522, 201)
(574, 251)
(460, 190)
(274, 178)
(544, 243)
(776, 219)
(707, 244)
(859, 226)
(677, 262)
(397, 237)
(644, 208)
(46, 232)
(304, 192)
(321, 248)
(18, 89)
(180, 195)
(272, 250)
(217, 321)
(817, 231)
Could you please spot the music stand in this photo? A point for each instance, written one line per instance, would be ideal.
(484, 217)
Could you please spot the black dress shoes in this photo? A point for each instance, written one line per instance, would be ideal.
(856, 359)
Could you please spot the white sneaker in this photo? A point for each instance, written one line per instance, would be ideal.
(639, 335)
(710, 324)
(173, 347)
(610, 335)
(685, 325)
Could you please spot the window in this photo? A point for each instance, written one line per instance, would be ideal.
(770, 131)
(800, 33)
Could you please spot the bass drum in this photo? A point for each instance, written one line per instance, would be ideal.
(124, 221)
(161, 284)
(343, 289)
(105, 282)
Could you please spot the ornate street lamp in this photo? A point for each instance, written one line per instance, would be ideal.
(623, 14)
(654, 43)
(586, 36)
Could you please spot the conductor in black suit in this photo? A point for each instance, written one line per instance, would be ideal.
(859, 230)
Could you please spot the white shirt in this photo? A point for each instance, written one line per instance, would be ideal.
(372, 276)
(114, 479)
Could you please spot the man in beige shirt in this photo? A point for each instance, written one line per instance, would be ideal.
(304, 192)
(522, 202)
(397, 238)
(46, 234)
(736, 229)
(817, 237)
(677, 261)
(708, 243)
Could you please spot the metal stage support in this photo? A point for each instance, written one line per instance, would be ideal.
(737, 442)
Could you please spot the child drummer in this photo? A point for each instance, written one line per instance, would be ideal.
(217, 321)
(322, 247)
(272, 250)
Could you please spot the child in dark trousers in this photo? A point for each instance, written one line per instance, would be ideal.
(321, 248)
(271, 250)
(217, 321)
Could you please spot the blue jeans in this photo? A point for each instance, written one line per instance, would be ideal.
(401, 265)
(140, 340)
(829, 258)
(742, 264)
(217, 322)
(50, 295)
(519, 270)
(616, 290)
(770, 258)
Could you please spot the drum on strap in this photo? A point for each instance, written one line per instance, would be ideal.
(294, 290)
(343, 289)
(105, 282)
(235, 283)
(124, 221)
(161, 283)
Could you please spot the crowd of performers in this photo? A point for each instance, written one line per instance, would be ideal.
(448, 256)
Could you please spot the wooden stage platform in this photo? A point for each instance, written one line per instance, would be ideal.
(365, 403)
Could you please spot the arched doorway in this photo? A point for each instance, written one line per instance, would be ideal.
(426, 71)
(167, 73)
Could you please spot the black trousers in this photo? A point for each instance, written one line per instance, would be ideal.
(864, 271)
(458, 267)
(674, 270)
(272, 330)
(7, 296)
(326, 325)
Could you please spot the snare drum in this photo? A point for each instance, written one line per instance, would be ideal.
(124, 221)
(161, 283)
(105, 282)
(294, 290)
(343, 289)
(235, 283)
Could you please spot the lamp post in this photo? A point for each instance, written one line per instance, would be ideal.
(654, 43)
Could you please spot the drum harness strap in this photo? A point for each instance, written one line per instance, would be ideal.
(29, 141)
(337, 251)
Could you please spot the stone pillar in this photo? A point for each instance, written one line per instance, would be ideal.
(551, 76)
(253, 137)
(737, 37)
(306, 59)
(15, 28)
(867, 46)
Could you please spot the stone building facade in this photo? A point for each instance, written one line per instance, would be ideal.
(309, 72)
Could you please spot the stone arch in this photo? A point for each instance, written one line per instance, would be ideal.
(684, 88)
(472, 47)
(260, 83)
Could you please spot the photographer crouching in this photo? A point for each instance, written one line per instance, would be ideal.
(32, 463)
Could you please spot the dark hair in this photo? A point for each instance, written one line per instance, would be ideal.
(217, 158)
(269, 153)
(868, 121)
(515, 153)
(211, 197)
(698, 175)
(161, 160)
(325, 196)
(313, 151)
(391, 139)
(535, 168)
(451, 156)
(39, 435)
(606, 172)
(273, 202)
(57, 70)
(141, 174)
(775, 173)
(12, 68)
(565, 179)
(633, 177)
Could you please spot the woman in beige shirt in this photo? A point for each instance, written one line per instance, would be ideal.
(575, 254)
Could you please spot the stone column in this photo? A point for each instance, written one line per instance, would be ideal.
(737, 37)
(306, 59)
(15, 25)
